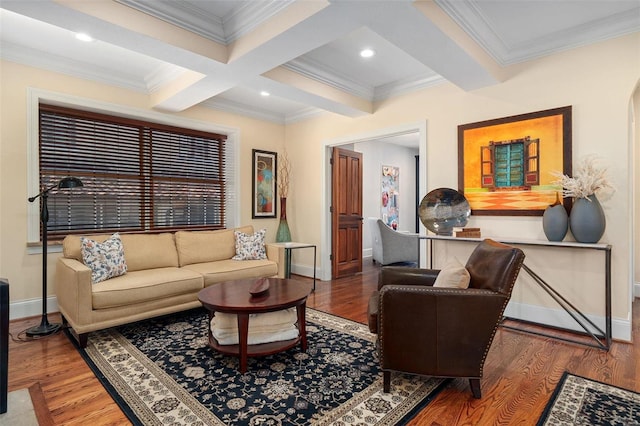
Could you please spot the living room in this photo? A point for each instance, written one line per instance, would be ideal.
(598, 80)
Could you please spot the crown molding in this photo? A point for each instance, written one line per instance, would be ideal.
(162, 75)
(406, 85)
(303, 114)
(184, 15)
(241, 109)
(47, 61)
(329, 76)
(225, 30)
(245, 18)
(612, 26)
(470, 18)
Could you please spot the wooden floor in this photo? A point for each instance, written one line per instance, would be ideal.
(521, 370)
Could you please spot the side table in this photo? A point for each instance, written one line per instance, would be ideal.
(288, 247)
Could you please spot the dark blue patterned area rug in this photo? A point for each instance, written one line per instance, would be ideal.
(585, 402)
(162, 372)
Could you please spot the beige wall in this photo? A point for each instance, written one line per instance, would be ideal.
(24, 270)
(635, 152)
(597, 81)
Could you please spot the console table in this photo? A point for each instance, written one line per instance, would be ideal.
(603, 339)
(288, 247)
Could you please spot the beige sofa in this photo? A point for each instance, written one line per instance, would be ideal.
(165, 272)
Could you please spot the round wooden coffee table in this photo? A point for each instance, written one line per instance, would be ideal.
(233, 297)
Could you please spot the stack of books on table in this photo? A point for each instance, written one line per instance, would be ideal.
(467, 232)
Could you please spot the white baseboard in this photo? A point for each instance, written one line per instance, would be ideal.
(305, 271)
(620, 328)
(31, 308)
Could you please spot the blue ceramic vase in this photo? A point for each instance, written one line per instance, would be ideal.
(587, 220)
(555, 221)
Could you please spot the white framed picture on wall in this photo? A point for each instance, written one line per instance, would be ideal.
(389, 195)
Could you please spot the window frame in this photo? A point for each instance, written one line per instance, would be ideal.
(36, 96)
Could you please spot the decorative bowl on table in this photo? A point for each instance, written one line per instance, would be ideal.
(443, 209)
(260, 287)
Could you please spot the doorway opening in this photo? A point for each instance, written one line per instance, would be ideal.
(419, 129)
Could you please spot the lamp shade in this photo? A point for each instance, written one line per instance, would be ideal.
(70, 182)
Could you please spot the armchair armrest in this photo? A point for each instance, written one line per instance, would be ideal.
(407, 276)
(437, 331)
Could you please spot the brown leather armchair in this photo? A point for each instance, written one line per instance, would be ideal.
(438, 331)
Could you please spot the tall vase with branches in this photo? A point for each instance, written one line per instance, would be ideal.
(284, 174)
(587, 220)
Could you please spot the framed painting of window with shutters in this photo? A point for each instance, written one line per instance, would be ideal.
(505, 164)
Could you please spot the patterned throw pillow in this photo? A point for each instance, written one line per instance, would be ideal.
(106, 259)
(250, 246)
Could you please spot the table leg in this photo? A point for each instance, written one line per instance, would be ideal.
(210, 332)
(302, 324)
(287, 263)
(243, 335)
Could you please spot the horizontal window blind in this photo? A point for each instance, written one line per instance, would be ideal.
(137, 176)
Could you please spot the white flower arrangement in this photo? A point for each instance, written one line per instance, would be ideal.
(588, 179)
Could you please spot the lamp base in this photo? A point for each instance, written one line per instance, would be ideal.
(43, 329)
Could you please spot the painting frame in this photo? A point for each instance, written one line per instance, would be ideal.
(496, 181)
(389, 195)
(264, 193)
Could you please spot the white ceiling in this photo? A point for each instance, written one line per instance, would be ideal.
(221, 54)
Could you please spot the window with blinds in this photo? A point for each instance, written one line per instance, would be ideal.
(138, 176)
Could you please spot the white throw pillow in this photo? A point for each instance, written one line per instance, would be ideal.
(453, 275)
(250, 246)
(106, 260)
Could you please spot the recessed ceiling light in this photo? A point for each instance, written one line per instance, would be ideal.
(84, 37)
(367, 53)
(265, 93)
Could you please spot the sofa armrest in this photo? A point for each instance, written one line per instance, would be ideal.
(276, 254)
(73, 290)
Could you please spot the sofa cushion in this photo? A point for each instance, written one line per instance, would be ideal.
(226, 270)
(142, 286)
(207, 246)
(106, 259)
(250, 246)
(141, 251)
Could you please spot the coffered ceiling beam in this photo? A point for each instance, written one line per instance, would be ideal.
(425, 41)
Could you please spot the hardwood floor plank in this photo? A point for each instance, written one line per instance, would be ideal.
(520, 373)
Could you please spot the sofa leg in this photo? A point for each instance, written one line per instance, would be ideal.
(82, 340)
(475, 388)
(386, 381)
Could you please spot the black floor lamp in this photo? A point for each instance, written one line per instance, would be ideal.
(45, 328)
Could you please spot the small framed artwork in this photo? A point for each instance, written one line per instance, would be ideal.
(389, 195)
(506, 165)
(264, 184)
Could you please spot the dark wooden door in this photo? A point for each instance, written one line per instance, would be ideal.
(346, 213)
